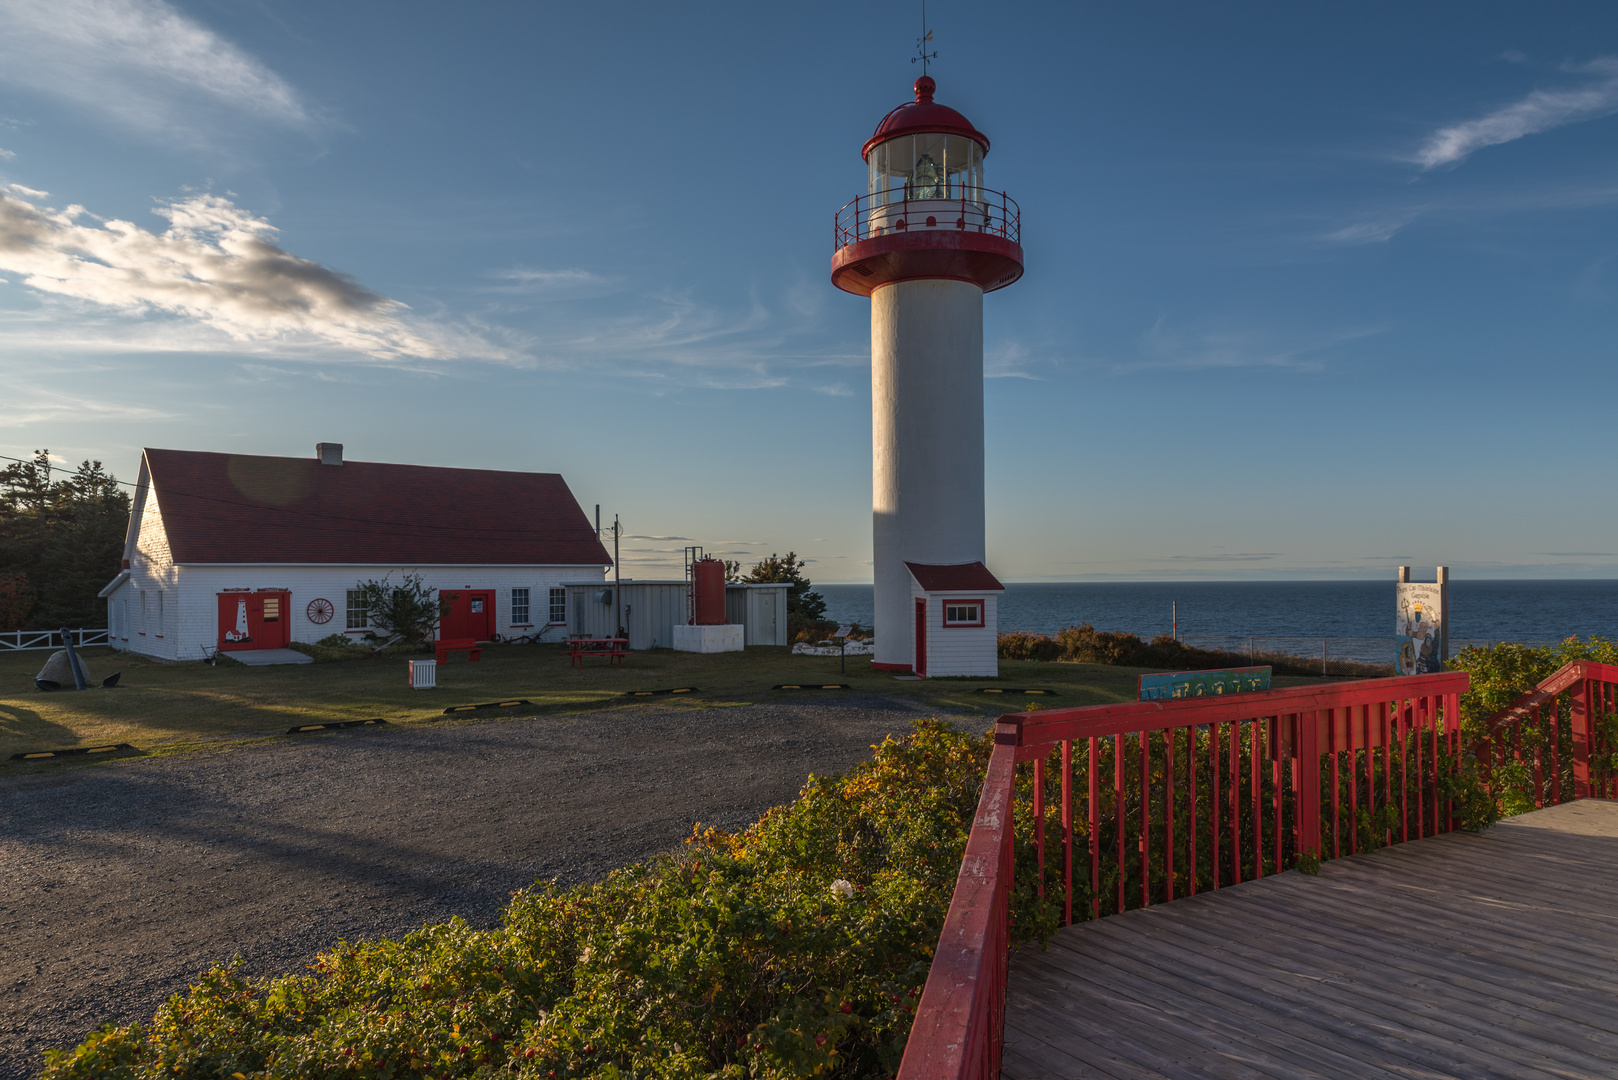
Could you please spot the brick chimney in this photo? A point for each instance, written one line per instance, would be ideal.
(329, 453)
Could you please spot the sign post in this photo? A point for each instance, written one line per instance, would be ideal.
(1421, 624)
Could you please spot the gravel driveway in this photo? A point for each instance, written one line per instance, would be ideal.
(120, 883)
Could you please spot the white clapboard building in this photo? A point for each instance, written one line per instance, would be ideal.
(241, 552)
(957, 619)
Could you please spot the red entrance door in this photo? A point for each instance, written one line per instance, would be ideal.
(921, 637)
(259, 620)
(470, 616)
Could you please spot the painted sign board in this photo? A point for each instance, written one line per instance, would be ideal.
(1186, 684)
(1419, 628)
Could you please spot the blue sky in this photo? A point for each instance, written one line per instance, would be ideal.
(1311, 291)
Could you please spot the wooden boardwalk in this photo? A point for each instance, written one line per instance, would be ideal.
(1457, 956)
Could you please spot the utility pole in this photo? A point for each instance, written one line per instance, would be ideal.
(618, 579)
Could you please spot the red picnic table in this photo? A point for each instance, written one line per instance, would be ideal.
(613, 648)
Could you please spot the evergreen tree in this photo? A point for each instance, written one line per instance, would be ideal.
(61, 541)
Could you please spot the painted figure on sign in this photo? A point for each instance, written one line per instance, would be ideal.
(240, 633)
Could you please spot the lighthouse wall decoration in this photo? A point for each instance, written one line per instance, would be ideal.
(925, 242)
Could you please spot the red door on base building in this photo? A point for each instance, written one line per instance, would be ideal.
(255, 620)
(470, 616)
(921, 637)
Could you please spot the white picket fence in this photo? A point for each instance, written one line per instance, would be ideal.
(23, 640)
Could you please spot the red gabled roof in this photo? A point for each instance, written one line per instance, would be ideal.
(954, 577)
(240, 508)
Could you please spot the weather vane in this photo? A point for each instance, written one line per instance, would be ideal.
(921, 43)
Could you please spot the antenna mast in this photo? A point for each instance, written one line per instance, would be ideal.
(921, 43)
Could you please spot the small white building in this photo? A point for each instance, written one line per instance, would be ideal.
(240, 552)
(652, 609)
(956, 625)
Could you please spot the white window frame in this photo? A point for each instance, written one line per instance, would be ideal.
(524, 609)
(951, 624)
(558, 603)
(349, 613)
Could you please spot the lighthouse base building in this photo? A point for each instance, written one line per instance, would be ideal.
(924, 244)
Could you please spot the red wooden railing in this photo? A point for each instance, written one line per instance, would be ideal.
(1178, 797)
(978, 210)
(1556, 741)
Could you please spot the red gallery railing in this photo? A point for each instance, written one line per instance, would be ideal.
(977, 210)
(1177, 797)
(1556, 741)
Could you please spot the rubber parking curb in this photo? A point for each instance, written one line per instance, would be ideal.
(811, 686)
(72, 751)
(673, 690)
(998, 690)
(334, 725)
(486, 705)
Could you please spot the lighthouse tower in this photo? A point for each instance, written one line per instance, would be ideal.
(925, 243)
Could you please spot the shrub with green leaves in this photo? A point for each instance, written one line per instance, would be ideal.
(1504, 672)
(797, 947)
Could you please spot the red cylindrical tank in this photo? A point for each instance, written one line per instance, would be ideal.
(708, 592)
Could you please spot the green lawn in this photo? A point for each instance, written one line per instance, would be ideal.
(168, 707)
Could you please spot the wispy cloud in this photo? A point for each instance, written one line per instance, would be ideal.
(1376, 229)
(215, 266)
(141, 64)
(1168, 348)
(1539, 111)
(1009, 360)
(527, 281)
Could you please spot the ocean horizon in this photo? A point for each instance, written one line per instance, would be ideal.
(1531, 610)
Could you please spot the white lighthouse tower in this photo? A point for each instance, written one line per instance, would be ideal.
(925, 243)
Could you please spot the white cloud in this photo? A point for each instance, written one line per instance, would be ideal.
(1167, 348)
(139, 63)
(1539, 111)
(1009, 360)
(215, 266)
(7, 155)
(1377, 230)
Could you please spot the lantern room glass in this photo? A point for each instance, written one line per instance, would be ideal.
(928, 165)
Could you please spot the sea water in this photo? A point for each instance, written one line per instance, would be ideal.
(1227, 613)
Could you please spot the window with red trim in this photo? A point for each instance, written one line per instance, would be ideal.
(963, 612)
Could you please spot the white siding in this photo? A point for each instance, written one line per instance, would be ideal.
(959, 650)
(191, 604)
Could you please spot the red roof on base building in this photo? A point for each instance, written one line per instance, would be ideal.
(240, 508)
(954, 577)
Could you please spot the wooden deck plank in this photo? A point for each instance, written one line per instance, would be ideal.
(1490, 957)
(1267, 1031)
(1486, 1031)
(1559, 990)
(1361, 1027)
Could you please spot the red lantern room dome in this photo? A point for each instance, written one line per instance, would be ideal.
(927, 213)
(924, 115)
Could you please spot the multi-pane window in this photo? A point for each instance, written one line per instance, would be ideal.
(962, 613)
(519, 607)
(558, 606)
(356, 610)
(272, 608)
(160, 613)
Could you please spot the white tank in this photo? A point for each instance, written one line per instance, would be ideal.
(926, 442)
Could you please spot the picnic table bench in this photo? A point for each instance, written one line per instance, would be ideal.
(612, 648)
(469, 646)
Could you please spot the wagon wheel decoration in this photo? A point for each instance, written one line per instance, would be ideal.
(320, 612)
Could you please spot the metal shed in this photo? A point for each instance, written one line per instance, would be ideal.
(653, 608)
